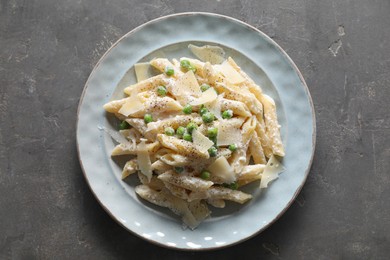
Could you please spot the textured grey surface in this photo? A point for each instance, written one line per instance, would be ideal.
(48, 49)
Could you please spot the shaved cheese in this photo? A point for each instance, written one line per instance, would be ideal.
(212, 54)
(132, 105)
(206, 97)
(230, 73)
(186, 85)
(215, 107)
(228, 133)
(143, 160)
(271, 172)
(222, 169)
(142, 71)
(200, 141)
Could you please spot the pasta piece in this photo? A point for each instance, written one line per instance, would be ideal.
(154, 183)
(248, 129)
(199, 210)
(238, 160)
(228, 194)
(187, 182)
(167, 200)
(143, 160)
(234, 93)
(176, 160)
(250, 173)
(132, 135)
(256, 150)
(182, 147)
(160, 167)
(129, 168)
(138, 124)
(162, 63)
(209, 73)
(272, 126)
(114, 105)
(197, 64)
(145, 85)
(216, 203)
(154, 128)
(176, 190)
(238, 107)
(122, 149)
(197, 195)
(264, 140)
(252, 86)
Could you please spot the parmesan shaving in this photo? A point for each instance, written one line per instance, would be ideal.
(221, 169)
(186, 85)
(215, 106)
(143, 160)
(212, 54)
(228, 133)
(201, 142)
(206, 97)
(132, 105)
(230, 73)
(271, 172)
(142, 71)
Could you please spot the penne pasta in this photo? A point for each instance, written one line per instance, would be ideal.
(195, 133)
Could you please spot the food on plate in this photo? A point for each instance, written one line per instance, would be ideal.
(196, 133)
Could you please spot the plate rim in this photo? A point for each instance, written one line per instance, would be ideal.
(291, 62)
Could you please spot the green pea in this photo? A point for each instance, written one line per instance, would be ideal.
(208, 117)
(232, 147)
(161, 91)
(187, 137)
(169, 71)
(203, 111)
(227, 114)
(179, 169)
(180, 131)
(214, 139)
(205, 175)
(148, 118)
(169, 131)
(204, 87)
(191, 127)
(233, 185)
(185, 63)
(213, 151)
(124, 125)
(212, 132)
(187, 109)
(192, 68)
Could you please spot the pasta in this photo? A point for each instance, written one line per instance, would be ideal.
(196, 133)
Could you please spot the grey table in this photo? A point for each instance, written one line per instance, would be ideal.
(48, 48)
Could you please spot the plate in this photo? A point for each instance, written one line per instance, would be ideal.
(169, 36)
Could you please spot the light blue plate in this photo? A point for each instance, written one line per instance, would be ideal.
(263, 60)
